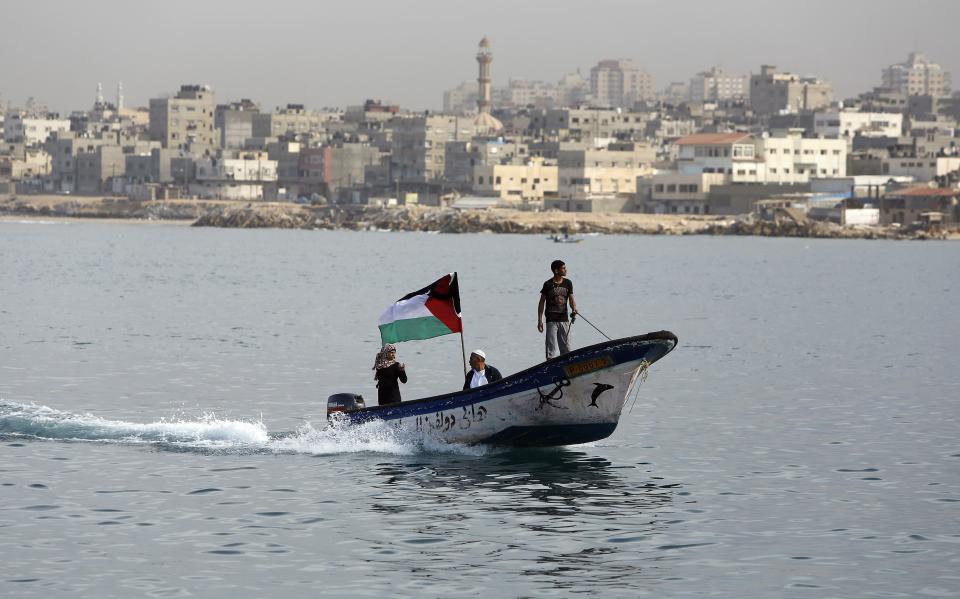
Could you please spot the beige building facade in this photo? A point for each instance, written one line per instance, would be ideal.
(619, 83)
(598, 172)
(772, 92)
(185, 121)
(917, 76)
(525, 183)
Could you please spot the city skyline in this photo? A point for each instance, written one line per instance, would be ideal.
(410, 56)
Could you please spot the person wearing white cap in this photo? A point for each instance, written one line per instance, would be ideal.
(480, 373)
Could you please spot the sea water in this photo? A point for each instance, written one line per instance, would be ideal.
(162, 429)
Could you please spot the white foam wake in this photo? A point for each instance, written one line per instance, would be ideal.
(209, 432)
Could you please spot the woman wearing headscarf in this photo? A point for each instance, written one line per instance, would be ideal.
(389, 371)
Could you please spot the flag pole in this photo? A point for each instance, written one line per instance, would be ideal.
(463, 349)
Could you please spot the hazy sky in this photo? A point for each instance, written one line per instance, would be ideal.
(323, 53)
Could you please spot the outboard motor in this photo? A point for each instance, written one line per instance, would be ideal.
(343, 402)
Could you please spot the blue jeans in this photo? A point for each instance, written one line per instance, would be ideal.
(558, 339)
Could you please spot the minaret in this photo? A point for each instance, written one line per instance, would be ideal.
(99, 102)
(484, 58)
(119, 96)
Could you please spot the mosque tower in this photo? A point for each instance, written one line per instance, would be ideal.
(119, 96)
(485, 122)
(99, 102)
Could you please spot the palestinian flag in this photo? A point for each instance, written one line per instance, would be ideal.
(429, 312)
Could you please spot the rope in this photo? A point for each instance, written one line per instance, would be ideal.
(580, 314)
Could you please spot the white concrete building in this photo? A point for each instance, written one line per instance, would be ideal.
(30, 129)
(847, 123)
(241, 178)
(921, 169)
(792, 158)
(731, 154)
(744, 158)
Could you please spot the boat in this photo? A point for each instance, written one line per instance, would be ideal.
(565, 238)
(574, 398)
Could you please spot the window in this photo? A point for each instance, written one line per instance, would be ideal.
(658, 188)
(498, 180)
(479, 180)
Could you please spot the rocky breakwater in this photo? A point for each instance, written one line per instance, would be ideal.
(417, 218)
(33, 206)
(263, 216)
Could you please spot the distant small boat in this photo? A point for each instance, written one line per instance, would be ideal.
(565, 238)
(574, 398)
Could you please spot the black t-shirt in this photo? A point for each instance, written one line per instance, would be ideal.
(557, 296)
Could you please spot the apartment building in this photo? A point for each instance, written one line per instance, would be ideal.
(789, 157)
(240, 178)
(234, 123)
(921, 168)
(526, 184)
(784, 158)
(154, 166)
(672, 192)
(30, 163)
(731, 154)
(294, 120)
(333, 166)
(32, 129)
(619, 83)
(463, 156)
(772, 92)
(572, 90)
(847, 123)
(589, 123)
(185, 121)
(717, 85)
(917, 76)
(98, 167)
(64, 148)
(418, 145)
(597, 172)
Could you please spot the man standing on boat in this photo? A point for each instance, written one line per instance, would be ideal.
(556, 293)
(480, 373)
